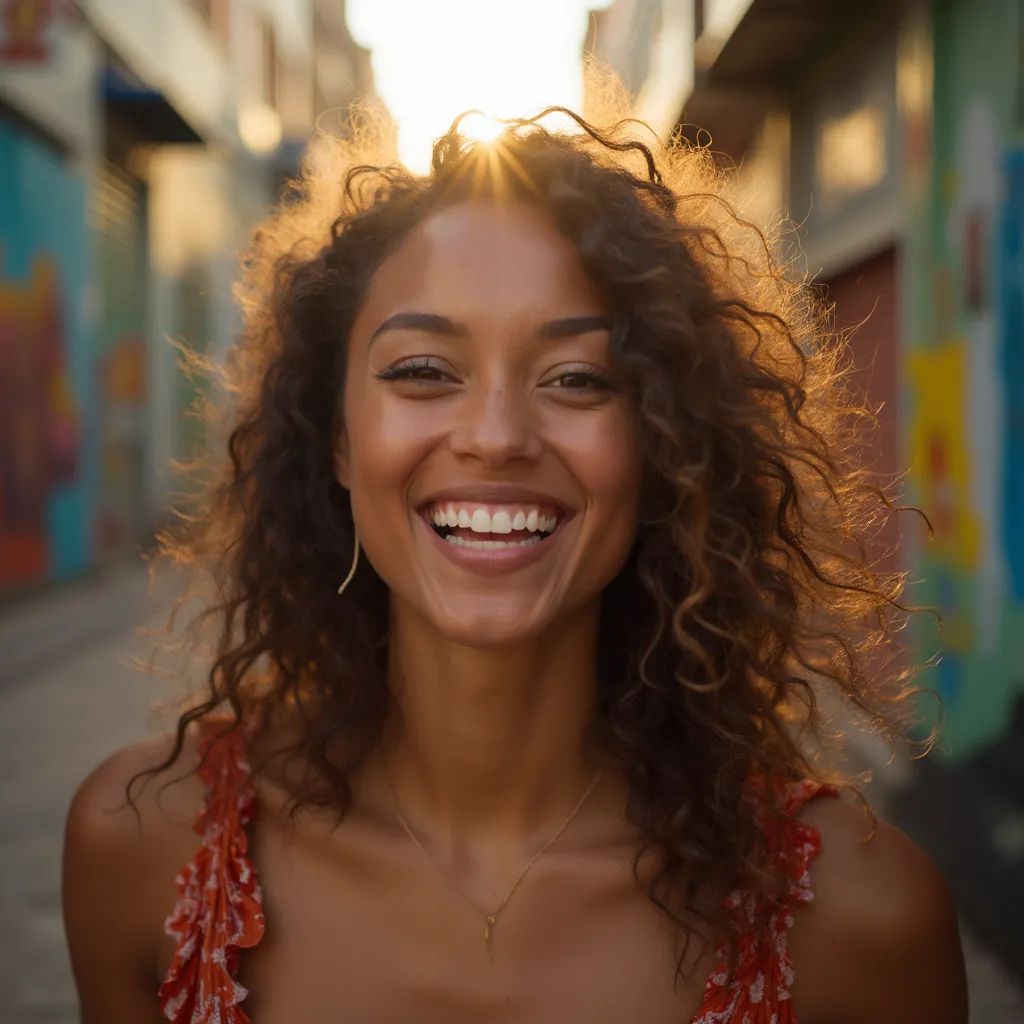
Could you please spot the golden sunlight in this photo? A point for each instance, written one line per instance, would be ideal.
(480, 126)
(434, 59)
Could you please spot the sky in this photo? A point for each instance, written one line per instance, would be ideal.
(433, 59)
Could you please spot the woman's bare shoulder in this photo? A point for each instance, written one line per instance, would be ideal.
(120, 861)
(879, 941)
(162, 800)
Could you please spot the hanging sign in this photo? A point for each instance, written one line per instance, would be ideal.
(28, 29)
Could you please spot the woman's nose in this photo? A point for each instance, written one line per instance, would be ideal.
(495, 424)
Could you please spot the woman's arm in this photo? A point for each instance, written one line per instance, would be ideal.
(118, 882)
(880, 941)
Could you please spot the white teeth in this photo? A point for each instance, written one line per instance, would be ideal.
(472, 543)
(501, 521)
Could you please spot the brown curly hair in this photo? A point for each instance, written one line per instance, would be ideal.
(751, 584)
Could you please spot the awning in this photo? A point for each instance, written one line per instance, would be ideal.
(144, 110)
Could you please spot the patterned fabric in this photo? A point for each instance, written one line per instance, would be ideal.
(220, 903)
(219, 911)
(760, 990)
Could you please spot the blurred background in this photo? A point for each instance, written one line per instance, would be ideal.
(140, 140)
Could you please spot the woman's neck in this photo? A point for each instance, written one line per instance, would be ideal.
(491, 745)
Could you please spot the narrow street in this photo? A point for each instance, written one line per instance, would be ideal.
(73, 699)
(69, 696)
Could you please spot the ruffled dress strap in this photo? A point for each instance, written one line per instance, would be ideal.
(759, 992)
(219, 910)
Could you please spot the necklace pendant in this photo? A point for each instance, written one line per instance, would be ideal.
(489, 925)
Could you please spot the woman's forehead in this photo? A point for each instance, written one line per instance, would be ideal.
(481, 252)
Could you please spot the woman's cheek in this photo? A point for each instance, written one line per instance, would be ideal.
(397, 432)
(605, 454)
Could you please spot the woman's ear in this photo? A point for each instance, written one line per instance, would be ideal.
(341, 459)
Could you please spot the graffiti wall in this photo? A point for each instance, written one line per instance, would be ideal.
(44, 364)
(963, 372)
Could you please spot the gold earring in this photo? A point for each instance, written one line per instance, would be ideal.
(355, 562)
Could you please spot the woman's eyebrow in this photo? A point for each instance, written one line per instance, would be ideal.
(570, 326)
(433, 323)
(430, 322)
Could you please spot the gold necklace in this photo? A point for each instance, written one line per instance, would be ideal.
(490, 919)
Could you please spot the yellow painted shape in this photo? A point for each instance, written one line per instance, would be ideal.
(940, 457)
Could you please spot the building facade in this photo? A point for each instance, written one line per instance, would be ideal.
(139, 143)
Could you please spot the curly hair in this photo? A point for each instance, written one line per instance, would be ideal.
(751, 584)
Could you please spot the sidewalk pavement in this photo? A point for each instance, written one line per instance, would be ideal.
(68, 698)
(48, 626)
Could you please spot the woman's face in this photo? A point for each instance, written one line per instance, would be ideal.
(490, 456)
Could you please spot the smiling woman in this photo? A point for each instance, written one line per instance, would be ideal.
(594, 443)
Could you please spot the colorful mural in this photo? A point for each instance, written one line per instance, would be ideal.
(44, 365)
(938, 451)
(40, 423)
(964, 373)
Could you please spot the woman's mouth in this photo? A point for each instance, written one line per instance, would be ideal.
(489, 526)
(492, 536)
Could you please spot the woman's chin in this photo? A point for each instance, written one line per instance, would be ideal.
(488, 624)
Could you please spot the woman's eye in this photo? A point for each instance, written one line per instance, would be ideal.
(428, 371)
(414, 369)
(581, 380)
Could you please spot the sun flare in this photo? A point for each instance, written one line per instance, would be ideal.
(432, 61)
(481, 127)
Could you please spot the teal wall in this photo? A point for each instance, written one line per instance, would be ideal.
(47, 399)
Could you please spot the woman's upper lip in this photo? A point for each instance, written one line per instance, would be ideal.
(494, 492)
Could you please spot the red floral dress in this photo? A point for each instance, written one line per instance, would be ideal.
(219, 911)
